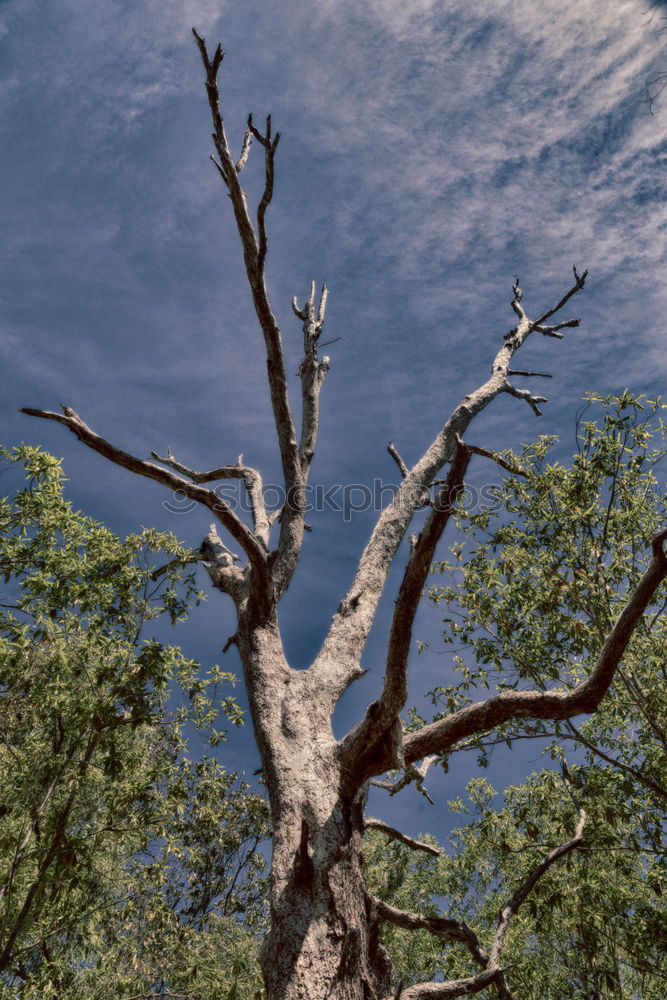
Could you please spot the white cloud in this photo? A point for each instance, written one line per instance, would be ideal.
(460, 142)
(473, 128)
(127, 54)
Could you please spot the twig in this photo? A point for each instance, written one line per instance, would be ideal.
(516, 470)
(416, 845)
(250, 477)
(251, 545)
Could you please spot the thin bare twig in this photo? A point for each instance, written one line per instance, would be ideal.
(251, 479)
(338, 659)
(416, 845)
(255, 551)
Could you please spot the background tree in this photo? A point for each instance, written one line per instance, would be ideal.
(324, 936)
(118, 856)
(531, 595)
(538, 581)
(189, 908)
(593, 927)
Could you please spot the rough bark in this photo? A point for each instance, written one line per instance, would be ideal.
(324, 938)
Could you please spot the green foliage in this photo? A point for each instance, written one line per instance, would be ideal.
(120, 860)
(543, 577)
(528, 598)
(190, 906)
(408, 880)
(594, 926)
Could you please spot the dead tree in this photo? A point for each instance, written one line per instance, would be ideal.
(324, 937)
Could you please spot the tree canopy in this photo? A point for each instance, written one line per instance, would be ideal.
(530, 594)
(124, 864)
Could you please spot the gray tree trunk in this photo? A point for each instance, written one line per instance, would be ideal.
(324, 936)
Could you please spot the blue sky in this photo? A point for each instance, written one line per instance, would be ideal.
(431, 151)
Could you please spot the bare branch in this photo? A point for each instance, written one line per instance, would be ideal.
(299, 313)
(397, 458)
(528, 397)
(368, 740)
(584, 698)
(512, 907)
(245, 151)
(441, 927)
(473, 449)
(538, 325)
(312, 372)
(416, 845)
(226, 164)
(339, 656)
(516, 301)
(225, 515)
(321, 312)
(254, 254)
(451, 989)
(184, 470)
(270, 145)
(552, 331)
(579, 282)
(453, 930)
(232, 641)
(516, 470)
(218, 562)
(412, 772)
(251, 478)
(218, 167)
(391, 448)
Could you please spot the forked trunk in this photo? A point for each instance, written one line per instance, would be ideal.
(323, 943)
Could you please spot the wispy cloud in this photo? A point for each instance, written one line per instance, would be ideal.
(432, 150)
(526, 119)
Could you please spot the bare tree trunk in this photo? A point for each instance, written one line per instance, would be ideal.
(324, 940)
